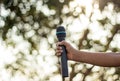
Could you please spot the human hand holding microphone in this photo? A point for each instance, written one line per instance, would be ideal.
(61, 34)
(64, 49)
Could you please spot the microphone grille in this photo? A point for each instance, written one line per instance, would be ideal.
(61, 31)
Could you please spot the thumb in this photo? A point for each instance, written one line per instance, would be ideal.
(65, 43)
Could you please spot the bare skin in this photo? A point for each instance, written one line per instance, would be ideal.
(96, 58)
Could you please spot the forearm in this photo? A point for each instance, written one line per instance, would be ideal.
(100, 59)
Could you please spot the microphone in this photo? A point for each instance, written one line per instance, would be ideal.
(61, 34)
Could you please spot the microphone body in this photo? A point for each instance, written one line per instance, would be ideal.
(61, 34)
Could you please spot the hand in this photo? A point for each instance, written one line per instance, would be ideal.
(70, 50)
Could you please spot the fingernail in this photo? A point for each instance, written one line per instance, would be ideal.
(60, 47)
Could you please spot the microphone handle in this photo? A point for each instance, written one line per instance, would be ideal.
(64, 63)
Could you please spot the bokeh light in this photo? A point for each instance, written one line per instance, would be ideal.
(27, 50)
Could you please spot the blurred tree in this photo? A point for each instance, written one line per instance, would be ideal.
(28, 28)
(103, 3)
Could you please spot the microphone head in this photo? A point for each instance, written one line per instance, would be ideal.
(60, 32)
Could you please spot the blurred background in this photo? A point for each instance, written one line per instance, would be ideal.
(28, 38)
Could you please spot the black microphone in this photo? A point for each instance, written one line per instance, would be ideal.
(61, 34)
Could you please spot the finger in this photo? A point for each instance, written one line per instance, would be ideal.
(59, 48)
(59, 43)
(59, 51)
(58, 54)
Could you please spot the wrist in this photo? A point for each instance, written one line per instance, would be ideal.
(77, 56)
(74, 55)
